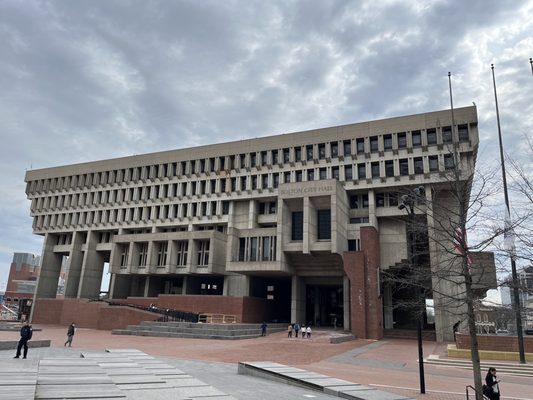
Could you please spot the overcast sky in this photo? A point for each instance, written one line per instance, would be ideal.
(90, 80)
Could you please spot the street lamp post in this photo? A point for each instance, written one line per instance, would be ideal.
(408, 204)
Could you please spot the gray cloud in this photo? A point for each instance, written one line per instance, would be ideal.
(89, 80)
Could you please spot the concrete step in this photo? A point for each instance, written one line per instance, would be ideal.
(183, 335)
(214, 330)
(197, 330)
(211, 326)
(503, 368)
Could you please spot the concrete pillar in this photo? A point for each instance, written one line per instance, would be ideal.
(236, 285)
(252, 215)
(184, 285)
(147, 286)
(50, 269)
(75, 263)
(92, 269)
(346, 302)
(307, 228)
(298, 300)
(387, 307)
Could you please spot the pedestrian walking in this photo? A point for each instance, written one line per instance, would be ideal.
(308, 330)
(289, 331)
(70, 334)
(493, 389)
(296, 329)
(26, 332)
(264, 329)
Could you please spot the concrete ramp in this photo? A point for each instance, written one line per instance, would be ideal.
(312, 380)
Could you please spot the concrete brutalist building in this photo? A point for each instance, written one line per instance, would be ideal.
(292, 227)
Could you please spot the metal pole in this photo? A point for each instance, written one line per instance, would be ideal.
(531, 63)
(516, 295)
(418, 299)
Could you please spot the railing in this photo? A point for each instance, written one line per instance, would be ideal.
(475, 391)
(167, 314)
(217, 318)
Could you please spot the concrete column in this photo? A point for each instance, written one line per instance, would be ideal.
(252, 217)
(307, 234)
(75, 264)
(346, 302)
(372, 208)
(50, 269)
(236, 285)
(387, 307)
(92, 269)
(298, 300)
(147, 286)
(184, 285)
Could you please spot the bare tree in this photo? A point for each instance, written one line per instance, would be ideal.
(521, 177)
(442, 265)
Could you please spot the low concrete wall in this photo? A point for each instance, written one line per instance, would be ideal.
(12, 344)
(495, 343)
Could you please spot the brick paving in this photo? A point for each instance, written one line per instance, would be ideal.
(390, 364)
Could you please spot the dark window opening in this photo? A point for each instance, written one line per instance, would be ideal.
(417, 138)
(324, 224)
(447, 134)
(387, 142)
(360, 146)
(389, 168)
(374, 144)
(419, 165)
(404, 167)
(402, 140)
(297, 232)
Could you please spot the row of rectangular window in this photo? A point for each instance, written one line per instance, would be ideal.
(204, 187)
(323, 225)
(257, 248)
(280, 157)
(180, 256)
(131, 214)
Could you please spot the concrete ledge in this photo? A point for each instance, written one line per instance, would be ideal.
(453, 351)
(312, 380)
(342, 339)
(12, 344)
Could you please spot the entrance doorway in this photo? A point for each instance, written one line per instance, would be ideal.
(324, 305)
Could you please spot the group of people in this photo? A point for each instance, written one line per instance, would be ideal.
(297, 329)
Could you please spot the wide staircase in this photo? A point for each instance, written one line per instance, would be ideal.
(191, 330)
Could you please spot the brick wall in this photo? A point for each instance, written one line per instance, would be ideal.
(246, 309)
(366, 310)
(495, 343)
(87, 314)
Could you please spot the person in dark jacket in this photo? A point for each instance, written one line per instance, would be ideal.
(493, 389)
(70, 334)
(26, 332)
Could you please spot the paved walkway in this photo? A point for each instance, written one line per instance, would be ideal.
(389, 364)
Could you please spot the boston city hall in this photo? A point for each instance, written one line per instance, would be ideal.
(299, 227)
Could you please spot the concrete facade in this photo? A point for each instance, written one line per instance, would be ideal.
(306, 220)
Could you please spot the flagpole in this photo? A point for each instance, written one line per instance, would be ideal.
(516, 294)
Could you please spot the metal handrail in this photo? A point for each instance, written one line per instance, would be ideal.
(475, 391)
(168, 314)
